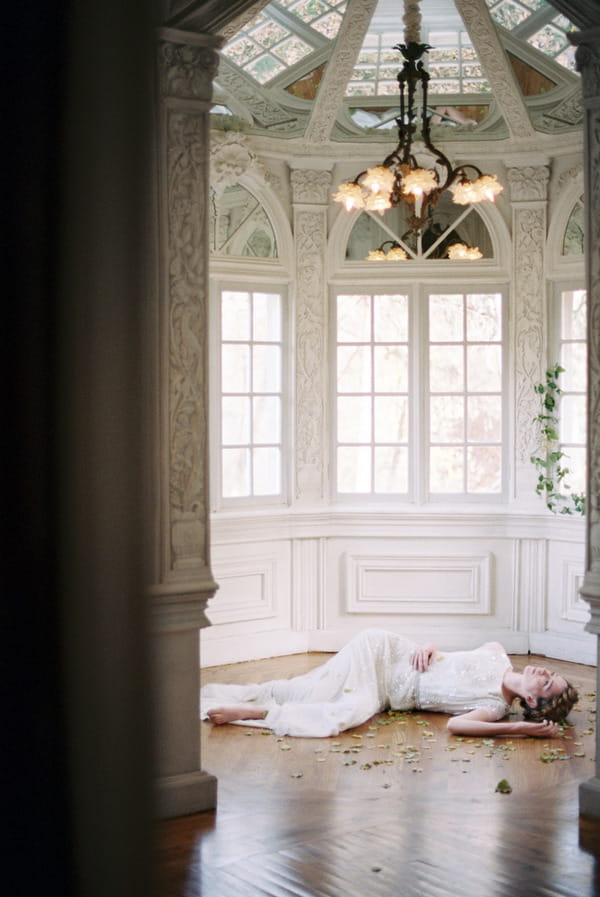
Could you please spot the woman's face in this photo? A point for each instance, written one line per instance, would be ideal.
(539, 682)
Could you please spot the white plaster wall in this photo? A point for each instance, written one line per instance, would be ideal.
(308, 575)
(311, 581)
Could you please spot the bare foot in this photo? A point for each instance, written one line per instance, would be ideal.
(220, 715)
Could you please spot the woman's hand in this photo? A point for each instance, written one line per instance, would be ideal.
(544, 729)
(422, 658)
(482, 722)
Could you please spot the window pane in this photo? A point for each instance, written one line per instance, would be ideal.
(484, 318)
(574, 361)
(267, 317)
(354, 469)
(391, 419)
(266, 471)
(235, 316)
(575, 460)
(391, 469)
(484, 419)
(266, 368)
(235, 420)
(251, 394)
(266, 419)
(236, 472)
(447, 415)
(446, 369)
(573, 419)
(484, 369)
(354, 369)
(445, 318)
(353, 319)
(391, 369)
(235, 368)
(573, 315)
(484, 466)
(354, 418)
(446, 469)
(390, 319)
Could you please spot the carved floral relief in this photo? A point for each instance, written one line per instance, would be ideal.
(186, 177)
(187, 71)
(309, 228)
(529, 237)
(310, 186)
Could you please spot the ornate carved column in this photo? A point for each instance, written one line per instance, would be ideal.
(310, 194)
(183, 578)
(588, 63)
(528, 186)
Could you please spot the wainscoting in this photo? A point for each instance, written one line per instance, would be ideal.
(293, 582)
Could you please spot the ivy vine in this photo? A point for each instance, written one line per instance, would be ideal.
(552, 473)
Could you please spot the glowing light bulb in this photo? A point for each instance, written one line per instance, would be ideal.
(351, 196)
(486, 187)
(379, 180)
(377, 202)
(461, 251)
(396, 253)
(419, 181)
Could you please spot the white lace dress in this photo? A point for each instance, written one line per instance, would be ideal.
(371, 673)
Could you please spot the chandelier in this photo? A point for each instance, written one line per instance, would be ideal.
(400, 178)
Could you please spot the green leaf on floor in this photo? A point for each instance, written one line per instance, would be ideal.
(503, 787)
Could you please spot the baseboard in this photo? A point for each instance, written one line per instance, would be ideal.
(180, 795)
(576, 649)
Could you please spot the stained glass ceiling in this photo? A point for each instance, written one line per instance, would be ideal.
(274, 41)
(539, 24)
(286, 49)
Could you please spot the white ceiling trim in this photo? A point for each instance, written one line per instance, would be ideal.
(496, 66)
(332, 89)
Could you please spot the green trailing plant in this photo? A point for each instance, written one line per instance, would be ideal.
(549, 462)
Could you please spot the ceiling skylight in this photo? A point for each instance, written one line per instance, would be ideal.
(265, 47)
(272, 42)
(539, 24)
(325, 17)
(452, 62)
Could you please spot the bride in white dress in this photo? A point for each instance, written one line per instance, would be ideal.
(379, 670)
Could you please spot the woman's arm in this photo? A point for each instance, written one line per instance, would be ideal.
(479, 722)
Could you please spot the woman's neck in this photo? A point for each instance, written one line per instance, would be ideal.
(511, 682)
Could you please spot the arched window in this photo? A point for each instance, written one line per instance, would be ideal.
(240, 226)
(574, 232)
(568, 348)
(450, 225)
(419, 389)
(249, 329)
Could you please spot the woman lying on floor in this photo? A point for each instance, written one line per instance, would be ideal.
(379, 670)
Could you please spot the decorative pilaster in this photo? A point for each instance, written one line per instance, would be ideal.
(528, 187)
(588, 63)
(310, 192)
(184, 582)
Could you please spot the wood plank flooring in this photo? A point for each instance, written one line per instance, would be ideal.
(394, 808)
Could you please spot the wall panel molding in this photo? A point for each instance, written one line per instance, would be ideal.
(417, 584)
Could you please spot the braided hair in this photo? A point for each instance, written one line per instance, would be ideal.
(555, 709)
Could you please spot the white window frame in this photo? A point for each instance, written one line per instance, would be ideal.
(418, 393)
(555, 323)
(244, 285)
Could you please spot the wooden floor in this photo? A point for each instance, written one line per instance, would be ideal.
(395, 808)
